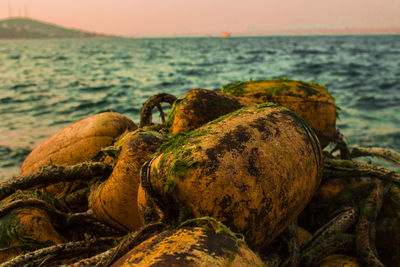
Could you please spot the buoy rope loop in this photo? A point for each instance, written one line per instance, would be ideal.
(151, 103)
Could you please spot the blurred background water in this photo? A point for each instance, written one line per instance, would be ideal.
(46, 85)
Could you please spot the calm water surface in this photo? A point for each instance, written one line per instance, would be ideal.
(46, 85)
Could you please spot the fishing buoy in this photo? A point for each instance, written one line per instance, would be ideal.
(191, 246)
(311, 101)
(254, 169)
(25, 229)
(115, 200)
(199, 106)
(76, 143)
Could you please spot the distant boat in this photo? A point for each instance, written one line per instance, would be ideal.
(225, 35)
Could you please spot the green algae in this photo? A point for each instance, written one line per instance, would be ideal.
(167, 125)
(112, 152)
(246, 110)
(179, 167)
(8, 230)
(169, 185)
(206, 104)
(176, 153)
(179, 140)
(217, 226)
(238, 88)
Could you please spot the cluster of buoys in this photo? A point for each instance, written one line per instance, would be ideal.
(243, 176)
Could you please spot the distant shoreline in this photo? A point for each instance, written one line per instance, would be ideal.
(22, 28)
(27, 28)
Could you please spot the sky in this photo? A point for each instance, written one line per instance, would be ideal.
(199, 17)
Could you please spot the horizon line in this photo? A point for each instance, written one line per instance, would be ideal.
(317, 31)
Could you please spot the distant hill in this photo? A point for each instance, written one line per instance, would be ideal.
(24, 28)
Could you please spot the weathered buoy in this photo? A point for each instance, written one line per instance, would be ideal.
(309, 100)
(115, 200)
(199, 106)
(191, 246)
(254, 169)
(77, 143)
(25, 229)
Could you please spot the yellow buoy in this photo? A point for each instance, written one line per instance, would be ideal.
(199, 106)
(191, 246)
(77, 143)
(309, 100)
(254, 169)
(25, 229)
(115, 200)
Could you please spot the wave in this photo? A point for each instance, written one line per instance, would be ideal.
(95, 88)
(180, 64)
(15, 57)
(212, 63)
(389, 85)
(249, 60)
(60, 58)
(389, 140)
(375, 102)
(261, 52)
(311, 68)
(197, 72)
(311, 52)
(7, 100)
(23, 85)
(175, 82)
(9, 156)
(41, 57)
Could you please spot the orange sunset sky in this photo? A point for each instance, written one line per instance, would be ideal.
(199, 17)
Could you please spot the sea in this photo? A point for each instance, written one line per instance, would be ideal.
(46, 85)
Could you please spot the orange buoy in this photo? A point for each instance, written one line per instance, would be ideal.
(191, 246)
(254, 169)
(199, 106)
(115, 200)
(311, 101)
(76, 143)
